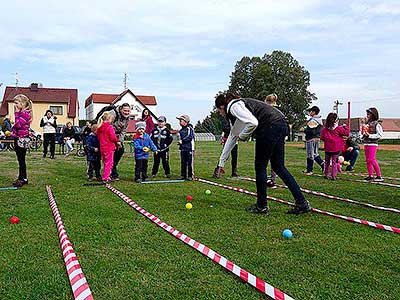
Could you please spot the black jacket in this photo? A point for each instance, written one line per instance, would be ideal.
(161, 137)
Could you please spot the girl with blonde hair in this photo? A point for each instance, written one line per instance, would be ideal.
(108, 143)
(20, 133)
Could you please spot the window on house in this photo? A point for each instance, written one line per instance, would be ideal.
(57, 110)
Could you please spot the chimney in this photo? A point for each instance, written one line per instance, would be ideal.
(34, 87)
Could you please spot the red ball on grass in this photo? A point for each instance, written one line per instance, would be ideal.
(14, 220)
(189, 198)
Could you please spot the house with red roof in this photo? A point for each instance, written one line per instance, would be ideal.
(95, 102)
(62, 102)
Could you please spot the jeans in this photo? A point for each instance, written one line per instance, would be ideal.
(93, 165)
(271, 146)
(352, 158)
(119, 152)
(49, 138)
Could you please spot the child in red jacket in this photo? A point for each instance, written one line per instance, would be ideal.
(108, 143)
(332, 135)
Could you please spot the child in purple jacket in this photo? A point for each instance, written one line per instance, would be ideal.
(20, 133)
(332, 135)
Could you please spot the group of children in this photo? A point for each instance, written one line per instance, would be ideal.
(101, 144)
(337, 143)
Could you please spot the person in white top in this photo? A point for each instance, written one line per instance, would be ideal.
(269, 127)
(49, 124)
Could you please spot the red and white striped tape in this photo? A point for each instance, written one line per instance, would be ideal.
(79, 284)
(334, 197)
(365, 181)
(350, 219)
(258, 283)
(365, 175)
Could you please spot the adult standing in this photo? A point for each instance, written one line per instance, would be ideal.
(269, 126)
(146, 117)
(120, 125)
(49, 124)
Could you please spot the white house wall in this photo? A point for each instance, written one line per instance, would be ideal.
(136, 106)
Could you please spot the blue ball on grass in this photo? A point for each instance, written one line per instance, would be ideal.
(287, 233)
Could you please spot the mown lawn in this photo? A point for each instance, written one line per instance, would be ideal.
(125, 256)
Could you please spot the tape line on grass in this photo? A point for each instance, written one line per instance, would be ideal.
(258, 283)
(334, 197)
(79, 284)
(327, 213)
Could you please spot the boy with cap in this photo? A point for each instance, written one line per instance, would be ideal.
(312, 131)
(186, 146)
(162, 138)
(143, 144)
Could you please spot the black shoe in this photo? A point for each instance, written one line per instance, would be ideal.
(190, 178)
(44, 155)
(298, 210)
(349, 169)
(52, 157)
(168, 175)
(115, 178)
(369, 178)
(138, 180)
(20, 183)
(107, 181)
(256, 210)
(181, 178)
(378, 179)
(90, 179)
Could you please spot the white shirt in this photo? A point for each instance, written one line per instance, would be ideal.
(244, 126)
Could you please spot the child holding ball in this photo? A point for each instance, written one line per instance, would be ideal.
(143, 144)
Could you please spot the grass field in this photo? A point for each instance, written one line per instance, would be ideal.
(125, 256)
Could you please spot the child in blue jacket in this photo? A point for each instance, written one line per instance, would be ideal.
(93, 156)
(143, 144)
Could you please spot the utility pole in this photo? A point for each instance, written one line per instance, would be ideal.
(16, 79)
(336, 106)
(125, 81)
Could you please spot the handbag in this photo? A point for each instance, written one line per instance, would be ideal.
(23, 142)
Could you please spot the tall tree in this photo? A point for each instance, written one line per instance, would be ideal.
(242, 82)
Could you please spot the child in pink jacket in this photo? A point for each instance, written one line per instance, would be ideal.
(20, 133)
(108, 143)
(332, 135)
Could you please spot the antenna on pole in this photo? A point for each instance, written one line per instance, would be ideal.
(16, 79)
(125, 81)
(336, 106)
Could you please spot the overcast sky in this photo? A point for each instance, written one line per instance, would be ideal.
(183, 52)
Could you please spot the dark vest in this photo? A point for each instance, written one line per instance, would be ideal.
(372, 130)
(264, 113)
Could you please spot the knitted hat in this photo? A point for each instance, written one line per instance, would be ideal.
(162, 119)
(140, 125)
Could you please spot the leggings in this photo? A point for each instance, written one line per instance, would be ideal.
(370, 158)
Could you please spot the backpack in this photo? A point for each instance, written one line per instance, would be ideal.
(111, 108)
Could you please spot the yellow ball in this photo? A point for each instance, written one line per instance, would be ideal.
(7, 133)
(189, 205)
(145, 149)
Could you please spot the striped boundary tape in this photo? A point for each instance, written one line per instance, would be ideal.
(364, 181)
(350, 219)
(365, 175)
(79, 284)
(334, 197)
(258, 283)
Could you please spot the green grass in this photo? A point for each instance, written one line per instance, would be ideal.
(125, 256)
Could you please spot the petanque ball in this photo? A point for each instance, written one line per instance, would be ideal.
(189, 198)
(189, 205)
(207, 192)
(14, 220)
(287, 233)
